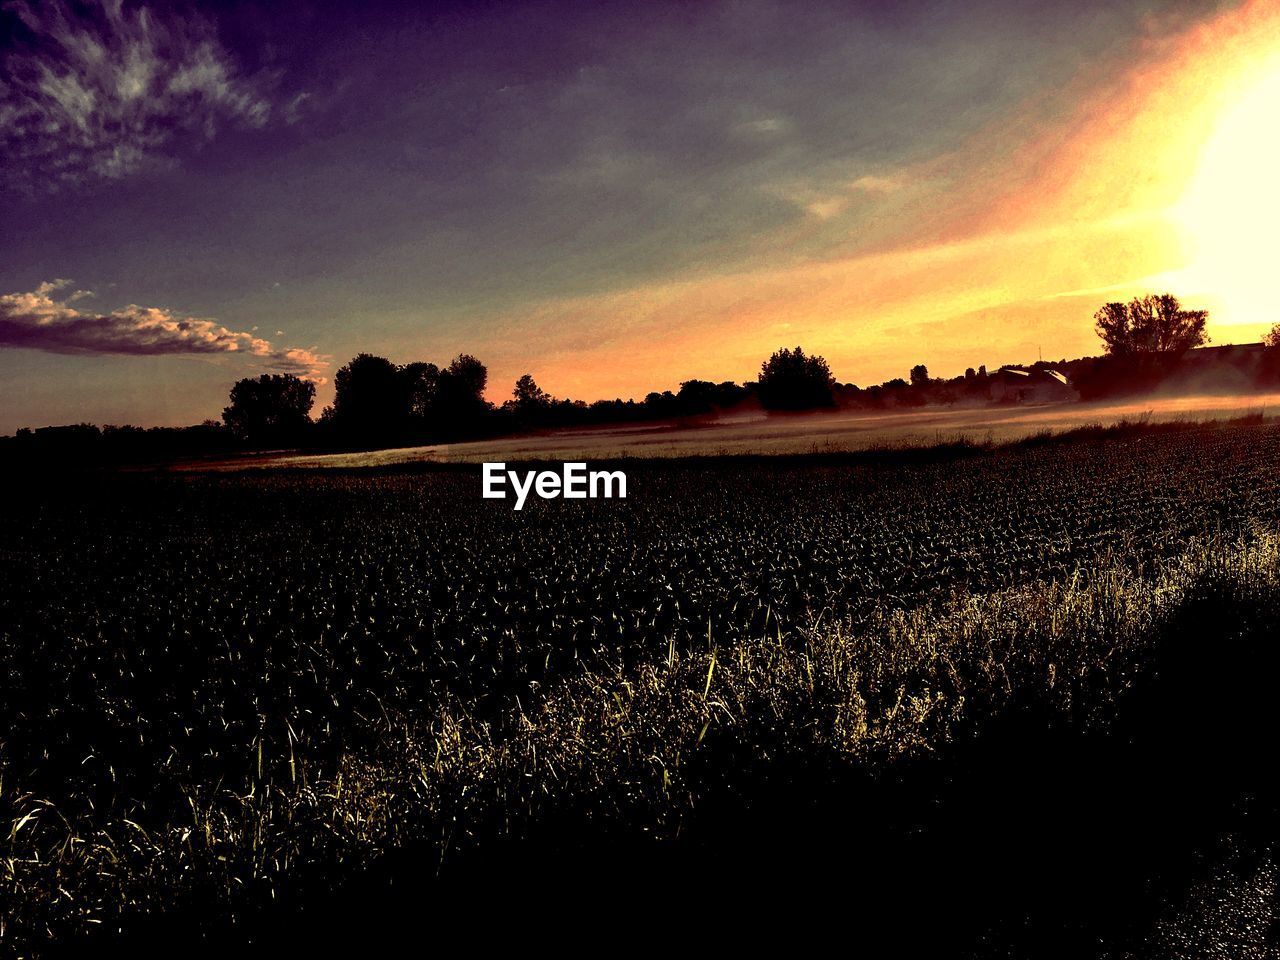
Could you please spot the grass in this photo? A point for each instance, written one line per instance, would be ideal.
(638, 753)
(1049, 750)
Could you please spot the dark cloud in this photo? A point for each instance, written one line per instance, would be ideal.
(39, 321)
(102, 91)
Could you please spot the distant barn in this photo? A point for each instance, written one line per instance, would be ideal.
(1038, 385)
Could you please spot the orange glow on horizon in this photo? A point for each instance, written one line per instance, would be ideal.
(1160, 179)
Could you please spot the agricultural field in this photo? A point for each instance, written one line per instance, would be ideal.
(1002, 702)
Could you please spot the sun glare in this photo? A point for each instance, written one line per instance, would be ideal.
(1231, 210)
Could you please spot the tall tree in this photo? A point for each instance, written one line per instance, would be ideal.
(461, 392)
(421, 383)
(528, 395)
(370, 403)
(1151, 324)
(532, 405)
(789, 380)
(468, 376)
(272, 408)
(697, 397)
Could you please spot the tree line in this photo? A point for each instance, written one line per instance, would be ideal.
(380, 403)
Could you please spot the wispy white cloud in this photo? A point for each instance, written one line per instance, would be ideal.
(44, 320)
(100, 91)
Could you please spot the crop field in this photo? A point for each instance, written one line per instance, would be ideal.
(982, 703)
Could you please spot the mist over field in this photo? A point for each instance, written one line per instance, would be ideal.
(758, 433)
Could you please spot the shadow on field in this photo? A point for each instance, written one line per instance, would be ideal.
(1034, 836)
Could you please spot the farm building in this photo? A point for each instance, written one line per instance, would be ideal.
(1038, 385)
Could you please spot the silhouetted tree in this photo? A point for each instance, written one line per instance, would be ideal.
(533, 406)
(84, 443)
(1150, 324)
(730, 394)
(529, 396)
(421, 385)
(919, 375)
(662, 404)
(697, 397)
(468, 375)
(1269, 365)
(272, 408)
(370, 403)
(460, 402)
(789, 380)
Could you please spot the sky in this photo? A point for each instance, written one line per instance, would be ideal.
(612, 197)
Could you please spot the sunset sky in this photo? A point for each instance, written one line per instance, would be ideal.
(613, 197)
